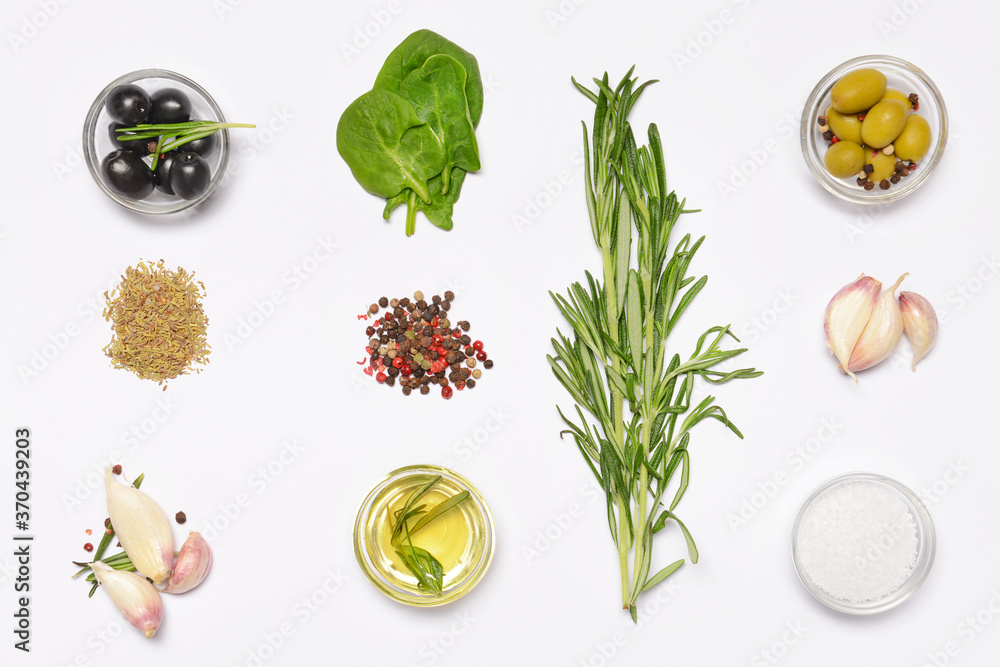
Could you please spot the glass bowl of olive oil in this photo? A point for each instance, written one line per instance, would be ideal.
(424, 536)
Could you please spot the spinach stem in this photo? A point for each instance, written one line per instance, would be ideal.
(411, 213)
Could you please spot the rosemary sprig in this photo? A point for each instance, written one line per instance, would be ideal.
(620, 328)
(420, 562)
(171, 136)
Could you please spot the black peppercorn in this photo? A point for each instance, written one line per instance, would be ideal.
(870, 185)
(407, 391)
(869, 168)
(446, 305)
(470, 383)
(488, 363)
(884, 184)
(384, 301)
(425, 389)
(828, 135)
(862, 181)
(895, 178)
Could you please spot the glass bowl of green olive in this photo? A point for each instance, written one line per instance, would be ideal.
(874, 129)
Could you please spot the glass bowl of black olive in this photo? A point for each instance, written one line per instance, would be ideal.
(123, 168)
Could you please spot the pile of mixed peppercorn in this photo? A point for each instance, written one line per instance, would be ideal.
(415, 344)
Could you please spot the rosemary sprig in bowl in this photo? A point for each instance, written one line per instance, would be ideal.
(621, 326)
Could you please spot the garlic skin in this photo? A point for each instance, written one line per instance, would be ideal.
(136, 598)
(193, 562)
(920, 324)
(142, 527)
(881, 334)
(846, 316)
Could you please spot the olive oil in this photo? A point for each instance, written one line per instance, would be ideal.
(460, 539)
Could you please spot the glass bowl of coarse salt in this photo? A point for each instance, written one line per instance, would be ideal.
(862, 543)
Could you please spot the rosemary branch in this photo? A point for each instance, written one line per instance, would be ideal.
(620, 329)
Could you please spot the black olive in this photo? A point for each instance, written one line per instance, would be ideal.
(138, 146)
(161, 175)
(169, 106)
(203, 147)
(189, 175)
(128, 104)
(127, 174)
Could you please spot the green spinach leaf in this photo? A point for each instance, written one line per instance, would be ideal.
(415, 50)
(387, 146)
(437, 93)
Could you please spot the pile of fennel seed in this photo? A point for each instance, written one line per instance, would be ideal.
(158, 324)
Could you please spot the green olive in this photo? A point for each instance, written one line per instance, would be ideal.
(858, 90)
(844, 159)
(846, 127)
(915, 140)
(893, 94)
(883, 123)
(885, 165)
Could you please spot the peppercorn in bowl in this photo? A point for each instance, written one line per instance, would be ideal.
(874, 129)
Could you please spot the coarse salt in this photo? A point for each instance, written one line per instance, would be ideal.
(857, 541)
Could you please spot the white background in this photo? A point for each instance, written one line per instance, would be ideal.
(547, 600)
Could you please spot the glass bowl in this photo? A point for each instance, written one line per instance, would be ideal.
(926, 545)
(462, 539)
(901, 75)
(97, 142)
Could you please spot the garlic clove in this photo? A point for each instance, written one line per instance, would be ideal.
(191, 566)
(920, 324)
(846, 315)
(881, 334)
(136, 598)
(142, 527)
